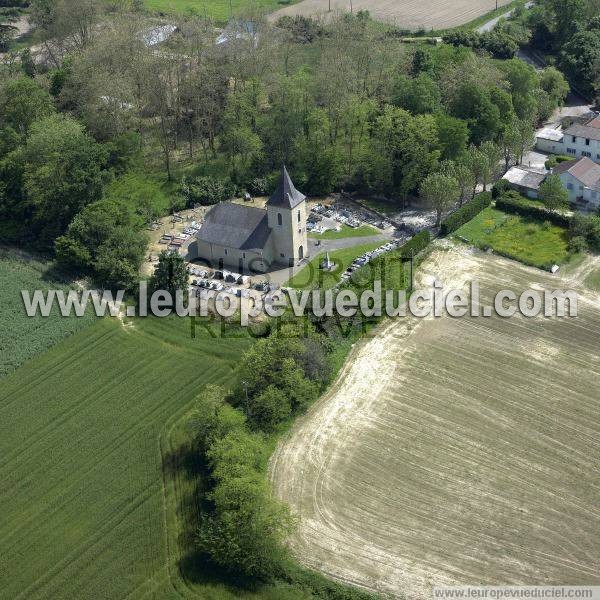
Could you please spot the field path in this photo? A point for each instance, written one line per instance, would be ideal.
(409, 14)
(455, 451)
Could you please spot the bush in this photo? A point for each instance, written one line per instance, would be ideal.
(259, 186)
(586, 227)
(464, 214)
(556, 159)
(578, 244)
(417, 244)
(513, 202)
(498, 44)
(243, 528)
(207, 190)
(500, 188)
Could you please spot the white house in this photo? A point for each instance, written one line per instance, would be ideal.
(579, 140)
(581, 177)
(550, 140)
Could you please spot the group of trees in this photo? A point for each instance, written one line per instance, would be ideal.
(243, 528)
(344, 105)
(52, 179)
(281, 375)
(570, 31)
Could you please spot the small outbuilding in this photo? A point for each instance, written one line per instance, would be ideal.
(526, 180)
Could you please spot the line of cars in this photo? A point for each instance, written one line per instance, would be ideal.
(367, 257)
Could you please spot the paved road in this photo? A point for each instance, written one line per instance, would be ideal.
(492, 23)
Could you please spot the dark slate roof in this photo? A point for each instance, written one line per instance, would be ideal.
(236, 226)
(286, 195)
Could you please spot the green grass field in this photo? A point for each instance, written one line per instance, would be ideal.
(346, 232)
(311, 276)
(22, 337)
(531, 242)
(83, 512)
(219, 10)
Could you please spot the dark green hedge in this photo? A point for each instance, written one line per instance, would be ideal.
(519, 206)
(467, 212)
(418, 243)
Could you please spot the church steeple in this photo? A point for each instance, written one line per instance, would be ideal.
(286, 195)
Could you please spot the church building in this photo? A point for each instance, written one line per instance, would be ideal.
(249, 239)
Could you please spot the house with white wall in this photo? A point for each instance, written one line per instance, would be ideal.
(579, 140)
(581, 178)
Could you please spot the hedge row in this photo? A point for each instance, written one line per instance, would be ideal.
(418, 243)
(519, 206)
(467, 212)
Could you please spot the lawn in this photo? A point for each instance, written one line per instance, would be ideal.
(219, 10)
(313, 277)
(80, 440)
(22, 337)
(346, 232)
(530, 242)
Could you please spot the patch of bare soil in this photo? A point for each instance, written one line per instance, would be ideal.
(410, 14)
(456, 451)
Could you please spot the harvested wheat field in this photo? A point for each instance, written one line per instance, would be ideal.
(409, 14)
(456, 451)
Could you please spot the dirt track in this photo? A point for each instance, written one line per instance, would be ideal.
(456, 451)
(410, 14)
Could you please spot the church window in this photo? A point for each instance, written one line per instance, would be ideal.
(279, 219)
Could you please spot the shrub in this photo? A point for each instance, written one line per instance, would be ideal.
(466, 213)
(207, 190)
(578, 244)
(556, 159)
(586, 227)
(513, 202)
(417, 244)
(498, 44)
(242, 528)
(500, 188)
(259, 186)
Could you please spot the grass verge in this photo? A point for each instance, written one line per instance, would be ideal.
(592, 281)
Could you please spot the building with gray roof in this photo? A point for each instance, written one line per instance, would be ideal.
(251, 239)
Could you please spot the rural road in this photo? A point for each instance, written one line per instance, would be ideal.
(492, 23)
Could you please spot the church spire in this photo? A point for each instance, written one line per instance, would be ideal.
(286, 195)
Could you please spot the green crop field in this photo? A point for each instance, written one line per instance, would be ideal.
(83, 511)
(219, 10)
(22, 337)
(531, 242)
